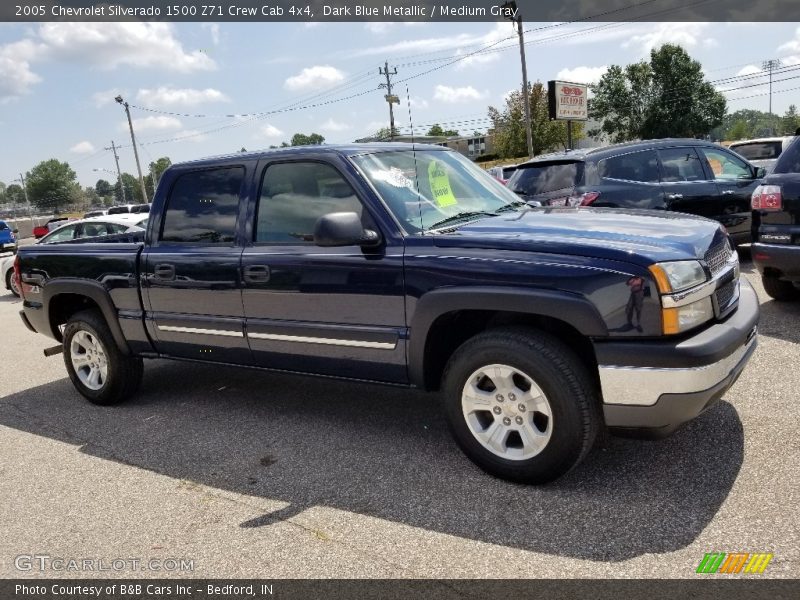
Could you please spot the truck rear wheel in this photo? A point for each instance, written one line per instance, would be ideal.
(520, 404)
(97, 368)
(780, 290)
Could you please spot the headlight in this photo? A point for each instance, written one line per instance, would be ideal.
(678, 275)
(684, 318)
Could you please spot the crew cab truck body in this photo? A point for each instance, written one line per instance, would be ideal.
(410, 266)
(776, 227)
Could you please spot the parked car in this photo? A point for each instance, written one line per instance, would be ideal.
(95, 213)
(120, 209)
(404, 264)
(689, 176)
(74, 230)
(140, 208)
(776, 227)
(503, 173)
(42, 230)
(8, 238)
(762, 152)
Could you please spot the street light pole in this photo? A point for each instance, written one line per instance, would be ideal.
(511, 10)
(135, 151)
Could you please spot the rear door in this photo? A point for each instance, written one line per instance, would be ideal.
(627, 180)
(687, 186)
(334, 311)
(190, 280)
(736, 181)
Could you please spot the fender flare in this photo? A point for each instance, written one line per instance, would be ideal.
(95, 292)
(571, 308)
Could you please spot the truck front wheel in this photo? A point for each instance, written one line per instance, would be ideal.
(97, 368)
(520, 404)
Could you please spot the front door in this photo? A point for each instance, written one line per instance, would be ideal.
(191, 282)
(334, 311)
(687, 188)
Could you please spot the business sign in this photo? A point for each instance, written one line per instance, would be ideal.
(567, 101)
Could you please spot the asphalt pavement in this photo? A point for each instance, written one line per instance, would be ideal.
(252, 474)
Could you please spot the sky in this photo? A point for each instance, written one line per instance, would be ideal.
(256, 84)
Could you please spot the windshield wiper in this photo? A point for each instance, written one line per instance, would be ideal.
(511, 206)
(462, 216)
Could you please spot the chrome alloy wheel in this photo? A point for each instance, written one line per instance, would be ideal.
(507, 412)
(12, 280)
(89, 360)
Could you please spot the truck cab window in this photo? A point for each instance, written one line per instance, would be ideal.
(295, 195)
(202, 207)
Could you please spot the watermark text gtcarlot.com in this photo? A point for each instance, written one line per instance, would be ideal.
(45, 562)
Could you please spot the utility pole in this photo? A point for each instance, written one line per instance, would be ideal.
(25, 191)
(511, 9)
(119, 173)
(390, 98)
(135, 151)
(769, 65)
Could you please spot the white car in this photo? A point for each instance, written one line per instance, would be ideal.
(73, 230)
(762, 152)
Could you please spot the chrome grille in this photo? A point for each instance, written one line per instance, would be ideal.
(717, 257)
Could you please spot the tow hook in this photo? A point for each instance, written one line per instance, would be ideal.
(54, 350)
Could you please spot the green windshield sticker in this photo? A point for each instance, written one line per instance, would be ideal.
(440, 185)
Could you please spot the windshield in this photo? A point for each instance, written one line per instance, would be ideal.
(3, 226)
(548, 177)
(428, 189)
(758, 150)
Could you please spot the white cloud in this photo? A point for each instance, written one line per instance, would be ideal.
(16, 75)
(316, 77)
(102, 45)
(213, 29)
(792, 48)
(269, 132)
(334, 126)
(378, 26)
(167, 96)
(84, 147)
(419, 102)
(687, 35)
(454, 95)
(152, 123)
(582, 74)
(749, 70)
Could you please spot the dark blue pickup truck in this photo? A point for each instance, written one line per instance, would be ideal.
(408, 265)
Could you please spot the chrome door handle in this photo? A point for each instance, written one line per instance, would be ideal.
(728, 192)
(675, 196)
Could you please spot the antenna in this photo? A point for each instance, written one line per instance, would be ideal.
(414, 152)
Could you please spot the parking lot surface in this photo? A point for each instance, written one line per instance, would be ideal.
(253, 474)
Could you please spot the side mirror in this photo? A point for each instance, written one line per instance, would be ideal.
(761, 172)
(343, 229)
(15, 231)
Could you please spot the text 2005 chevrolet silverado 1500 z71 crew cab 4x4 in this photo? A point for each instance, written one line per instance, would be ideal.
(408, 265)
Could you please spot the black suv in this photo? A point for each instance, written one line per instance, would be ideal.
(690, 176)
(776, 227)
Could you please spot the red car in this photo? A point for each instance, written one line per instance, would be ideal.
(43, 230)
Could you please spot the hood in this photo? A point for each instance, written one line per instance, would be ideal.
(642, 237)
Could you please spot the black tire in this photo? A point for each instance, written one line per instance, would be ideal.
(558, 373)
(783, 291)
(9, 279)
(124, 373)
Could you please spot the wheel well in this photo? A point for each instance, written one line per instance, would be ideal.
(452, 329)
(63, 306)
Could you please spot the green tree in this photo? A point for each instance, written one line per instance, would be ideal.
(15, 194)
(52, 185)
(740, 130)
(158, 167)
(301, 139)
(510, 140)
(133, 191)
(791, 120)
(438, 131)
(103, 188)
(665, 97)
(2, 192)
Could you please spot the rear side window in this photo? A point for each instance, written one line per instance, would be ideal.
(681, 164)
(758, 150)
(639, 166)
(541, 179)
(202, 207)
(295, 195)
(789, 161)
